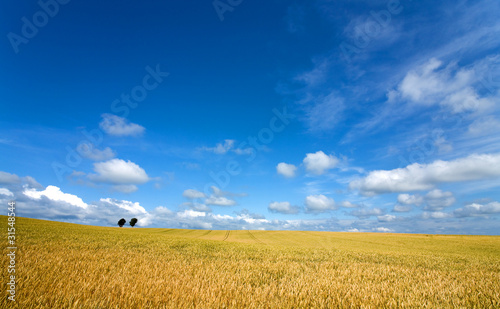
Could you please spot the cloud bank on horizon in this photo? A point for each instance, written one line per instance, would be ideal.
(331, 116)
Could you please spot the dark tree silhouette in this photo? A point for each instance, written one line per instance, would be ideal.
(133, 221)
(122, 222)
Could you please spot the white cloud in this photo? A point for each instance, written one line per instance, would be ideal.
(484, 126)
(161, 210)
(383, 230)
(243, 151)
(220, 201)
(53, 193)
(117, 171)
(145, 220)
(193, 194)
(6, 178)
(437, 199)
(125, 188)
(191, 214)
(283, 207)
(6, 192)
(197, 206)
(118, 126)
(435, 215)
(367, 212)
(417, 176)
(217, 191)
(432, 84)
(228, 145)
(386, 218)
(221, 148)
(401, 208)
(474, 210)
(319, 203)
(287, 170)
(88, 151)
(319, 162)
(407, 199)
(133, 208)
(347, 204)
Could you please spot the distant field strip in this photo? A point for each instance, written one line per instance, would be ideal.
(61, 265)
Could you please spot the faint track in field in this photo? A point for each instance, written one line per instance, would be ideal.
(255, 238)
(227, 235)
(205, 234)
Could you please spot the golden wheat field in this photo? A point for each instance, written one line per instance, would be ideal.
(61, 265)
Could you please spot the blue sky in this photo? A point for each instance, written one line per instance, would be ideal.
(373, 116)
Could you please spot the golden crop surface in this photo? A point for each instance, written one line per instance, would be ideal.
(61, 265)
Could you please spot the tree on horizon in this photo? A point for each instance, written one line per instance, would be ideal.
(133, 221)
(122, 222)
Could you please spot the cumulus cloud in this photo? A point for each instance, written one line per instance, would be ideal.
(118, 126)
(318, 162)
(125, 188)
(367, 212)
(435, 215)
(53, 193)
(407, 199)
(88, 151)
(7, 178)
(319, 203)
(191, 214)
(417, 176)
(386, 218)
(133, 208)
(53, 204)
(383, 230)
(220, 201)
(347, 204)
(475, 210)
(197, 206)
(287, 170)
(246, 213)
(219, 197)
(31, 182)
(434, 84)
(437, 200)
(6, 192)
(401, 208)
(405, 202)
(193, 194)
(117, 171)
(216, 191)
(282, 207)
